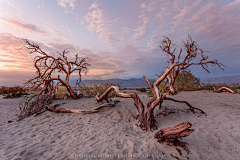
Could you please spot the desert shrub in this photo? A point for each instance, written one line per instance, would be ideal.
(92, 90)
(141, 89)
(13, 92)
(186, 81)
(61, 92)
(234, 87)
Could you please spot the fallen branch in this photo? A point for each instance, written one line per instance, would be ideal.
(190, 106)
(224, 89)
(170, 134)
(55, 106)
(97, 109)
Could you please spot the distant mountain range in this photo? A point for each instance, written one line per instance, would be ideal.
(227, 80)
(132, 82)
(140, 82)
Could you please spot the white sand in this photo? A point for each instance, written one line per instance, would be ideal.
(112, 133)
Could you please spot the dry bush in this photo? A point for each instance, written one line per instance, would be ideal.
(92, 90)
(234, 87)
(34, 104)
(141, 89)
(13, 92)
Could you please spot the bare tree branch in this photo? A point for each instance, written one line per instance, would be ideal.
(46, 65)
(193, 51)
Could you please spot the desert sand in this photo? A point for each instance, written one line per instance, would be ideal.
(113, 134)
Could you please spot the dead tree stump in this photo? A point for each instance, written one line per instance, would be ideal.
(170, 135)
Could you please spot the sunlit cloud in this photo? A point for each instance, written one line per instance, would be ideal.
(65, 3)
(98, 23)
(27, 27)
(11, 56)
(120, 38)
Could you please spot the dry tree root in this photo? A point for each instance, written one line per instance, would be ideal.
(224, 89)
(97, 109)
(170, 135)
(189, 105)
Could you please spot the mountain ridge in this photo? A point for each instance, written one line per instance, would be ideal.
(140, 82)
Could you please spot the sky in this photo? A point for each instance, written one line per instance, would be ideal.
(120, 37)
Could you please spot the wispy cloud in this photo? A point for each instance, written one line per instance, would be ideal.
(132, 29)
(27, 27)
(140, 31)
(65, 3)
(98, 23)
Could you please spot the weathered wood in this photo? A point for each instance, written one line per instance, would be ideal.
(95, 110)
(55, 106)
(224, 89)
(170, 135)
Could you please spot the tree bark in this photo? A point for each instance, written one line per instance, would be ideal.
(170, 135)
(71, 92)
(171, 81)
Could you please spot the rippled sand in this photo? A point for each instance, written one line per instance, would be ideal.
(113, 133)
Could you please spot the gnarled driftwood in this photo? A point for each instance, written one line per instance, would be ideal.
(170, 135)
(224, 89)
(146, 114)
(97, 109)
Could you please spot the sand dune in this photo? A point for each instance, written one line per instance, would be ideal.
(113, 134)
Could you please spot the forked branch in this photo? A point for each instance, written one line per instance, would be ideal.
(192, 51)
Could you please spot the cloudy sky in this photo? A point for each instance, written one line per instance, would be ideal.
(120, 37)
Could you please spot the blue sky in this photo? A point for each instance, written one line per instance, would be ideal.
(120, 37)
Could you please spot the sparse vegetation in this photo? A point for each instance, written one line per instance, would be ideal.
(13, 92)
(141, 89)
(234, 87)
(92, 90)
(186, 81)
(61, 92)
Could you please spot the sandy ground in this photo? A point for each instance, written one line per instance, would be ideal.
(113, 133)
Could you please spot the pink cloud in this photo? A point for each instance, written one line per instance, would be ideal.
(27, 27)
(98, 23)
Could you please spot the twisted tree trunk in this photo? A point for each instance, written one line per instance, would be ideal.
(171, 82)
(146, 114)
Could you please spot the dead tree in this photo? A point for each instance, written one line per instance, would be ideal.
(46, 65)
(192, 51)
(146, 112)
(46, 81)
